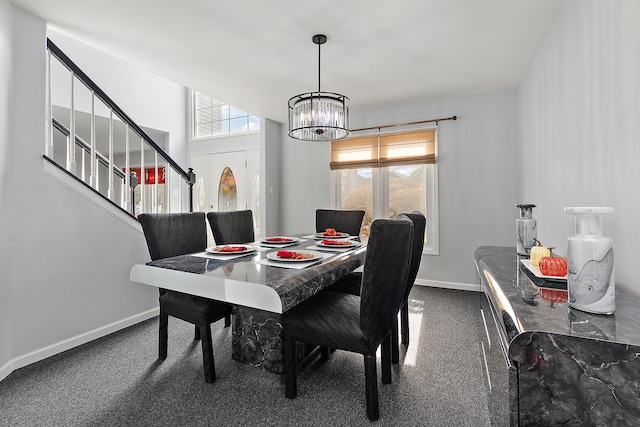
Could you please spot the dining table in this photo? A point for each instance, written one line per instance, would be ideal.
(258, 284)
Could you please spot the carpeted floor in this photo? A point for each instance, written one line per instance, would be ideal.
(117, 381)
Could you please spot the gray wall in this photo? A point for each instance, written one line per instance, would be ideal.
(6, 310)
(65, 261)
(271, 166)
(477, 189)
(578, 126)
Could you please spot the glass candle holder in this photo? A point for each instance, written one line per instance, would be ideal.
(526, 229)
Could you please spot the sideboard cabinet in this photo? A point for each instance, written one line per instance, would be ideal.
(547, 363)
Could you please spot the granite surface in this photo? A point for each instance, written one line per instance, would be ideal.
(293, 286)
(573, 367)
(257, 334)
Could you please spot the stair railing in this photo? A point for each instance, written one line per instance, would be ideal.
(136, 176)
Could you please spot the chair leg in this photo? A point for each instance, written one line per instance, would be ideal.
(404, 323)
(207, 354)
(325, 352)
(371, 385)
(386, 359)
(196, 335)
(290, 367)
(163, 334)
(395, 347)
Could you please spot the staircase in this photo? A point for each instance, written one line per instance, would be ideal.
(98, 144)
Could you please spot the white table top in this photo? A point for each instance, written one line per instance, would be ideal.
(247, 280)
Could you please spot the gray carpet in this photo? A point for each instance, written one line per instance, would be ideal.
(117, 381)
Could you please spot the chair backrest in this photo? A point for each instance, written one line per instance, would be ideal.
(231, 227)
(419, 226)
(346, 221)
(172, 234)
(385, 275)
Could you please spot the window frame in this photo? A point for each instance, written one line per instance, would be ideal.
(192, 117)
(380, 199)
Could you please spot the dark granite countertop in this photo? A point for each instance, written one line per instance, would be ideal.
(291, 286)
(520, 297)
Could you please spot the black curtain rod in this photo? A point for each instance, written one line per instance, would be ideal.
(406, 124)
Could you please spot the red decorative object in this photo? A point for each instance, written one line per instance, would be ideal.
(554, 295)
(149, 174)
(553, 266)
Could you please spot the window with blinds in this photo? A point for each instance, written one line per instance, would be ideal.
(382, 150)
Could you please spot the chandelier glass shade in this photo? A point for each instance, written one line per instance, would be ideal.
(319, 116)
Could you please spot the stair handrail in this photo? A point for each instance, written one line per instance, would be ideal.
(189, 176)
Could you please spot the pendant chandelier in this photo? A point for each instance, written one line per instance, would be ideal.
(319, 116)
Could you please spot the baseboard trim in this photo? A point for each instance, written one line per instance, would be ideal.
(448, 285)
(6, 370)
(59, 347)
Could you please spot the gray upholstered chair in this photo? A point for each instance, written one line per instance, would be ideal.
(231, 227)
(357, 324)
(351, 283)
(174, 234)
(346, 221)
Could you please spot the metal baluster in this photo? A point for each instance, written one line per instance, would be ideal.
(93, 182)
(155, 185)
(71, 141)
(128, 200)
(111, 188)
(192, 180)
(97, 166)
(142, 179)
(83, 163)
(49, 122)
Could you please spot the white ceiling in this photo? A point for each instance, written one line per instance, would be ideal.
(255, 55)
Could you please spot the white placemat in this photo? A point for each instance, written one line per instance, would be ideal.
(314, 237)
(294, 265)
(224, 257)
(333, 249)
(281, 245)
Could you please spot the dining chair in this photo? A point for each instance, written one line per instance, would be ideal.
(346, 221)
(231, 227)
(173, 234)
(357, 324)
(352, 282)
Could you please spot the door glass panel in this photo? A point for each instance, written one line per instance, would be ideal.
(227, 192)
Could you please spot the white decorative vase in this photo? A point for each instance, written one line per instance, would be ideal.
(591, 279)
(526, 229)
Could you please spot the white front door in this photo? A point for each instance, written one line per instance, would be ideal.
(221, 181)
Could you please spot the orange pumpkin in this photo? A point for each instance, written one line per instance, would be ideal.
(553, 265)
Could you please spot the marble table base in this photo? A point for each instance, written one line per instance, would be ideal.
(257, 339)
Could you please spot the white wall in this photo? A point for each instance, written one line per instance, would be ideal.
(271, 166)
(227, 143)
(6, 52)
(477, 189)
(65, 261)
(578, 126)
